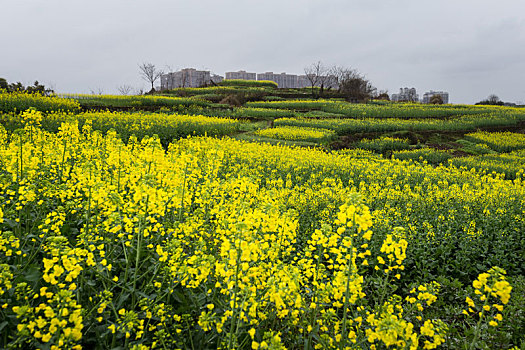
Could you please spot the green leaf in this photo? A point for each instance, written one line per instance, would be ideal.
(33, 274)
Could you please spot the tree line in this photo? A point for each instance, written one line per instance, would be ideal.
(348, 82)
(18, 86)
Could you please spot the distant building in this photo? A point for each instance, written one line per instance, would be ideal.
(292, 81)
(242, 75)
(428, 96)
(302, 81)
(330, 81)
(188, 77)
(406, 95)
(283, 80)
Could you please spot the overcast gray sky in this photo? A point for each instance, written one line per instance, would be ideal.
(470, 48)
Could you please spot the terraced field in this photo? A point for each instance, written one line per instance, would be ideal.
(312, 224)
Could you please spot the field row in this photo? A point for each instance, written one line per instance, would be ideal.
(318, 109)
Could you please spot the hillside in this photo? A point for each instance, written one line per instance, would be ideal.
(247, 217)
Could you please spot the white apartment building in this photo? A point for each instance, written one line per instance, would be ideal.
(242, 75)
(187, 77)
(329, 81)
(428, 96)
(303, 81)
(283, 80)
(190, 77)
(406, 94)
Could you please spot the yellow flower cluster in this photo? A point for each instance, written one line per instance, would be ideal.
(389, 327)
(57, 321)
(395, 252)
(31, 117)
(492, 292)
(6, 278)
(424, 294)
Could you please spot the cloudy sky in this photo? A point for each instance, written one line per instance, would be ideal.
(470, 48)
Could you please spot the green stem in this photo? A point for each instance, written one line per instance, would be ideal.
(61, 172)
(313, 319)
(137, 257)
(234, 316)
(88, 213)
(342, 344)
(183, 192)
(118, 177)
(21, 161)
(383, 285)
(478, 326)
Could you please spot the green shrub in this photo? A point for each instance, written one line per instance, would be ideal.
(474, 148)
(254, 83)
(383, 144)
(292, 133)
(273, 98)
(432, 156)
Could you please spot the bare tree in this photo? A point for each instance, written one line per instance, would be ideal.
(125, 89)
(340, 74)
(98, 91)
(215, 79)
(334, 75)
(493, 99)
(382, 95)
(150, 73)
(316, 74)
